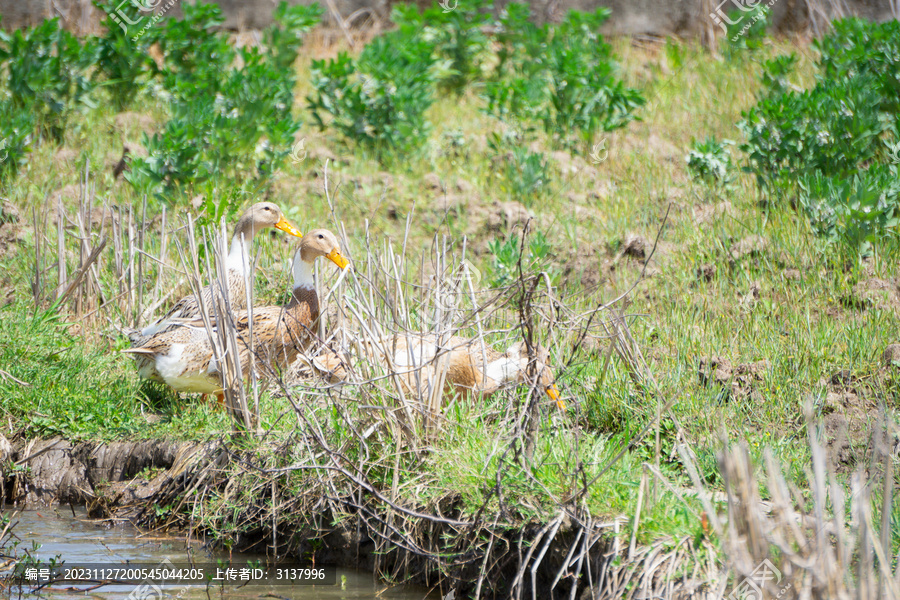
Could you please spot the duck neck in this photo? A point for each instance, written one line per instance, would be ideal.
(302, 268)
(239, 255)
(304, 285)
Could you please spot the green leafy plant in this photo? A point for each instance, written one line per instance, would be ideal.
(562, 76)
(836, 128)
(506, 256)
(231, 124)
(775, 74)
(457, 36)
(378, 101)
(47, 73)
(857, 210)
(709, 161)
(832, 148)
(746, 30)
(194, 48)
(856, 47)
(124, 66)
(284, 39)
(16, 131)
(521, 173)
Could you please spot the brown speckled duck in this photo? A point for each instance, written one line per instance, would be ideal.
(183, 356)
(419, 358)
(256, 218)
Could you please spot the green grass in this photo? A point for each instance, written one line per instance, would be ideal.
(85, 391)
(81, 387)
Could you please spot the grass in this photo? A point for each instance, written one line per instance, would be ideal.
(81, 388)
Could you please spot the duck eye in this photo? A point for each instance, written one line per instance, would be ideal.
(321, 237)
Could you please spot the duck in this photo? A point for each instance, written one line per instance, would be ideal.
(256, 218)
(182, 357)
(472, 368)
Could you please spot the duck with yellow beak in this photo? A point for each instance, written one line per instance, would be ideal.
(261, 215)
(183, 356)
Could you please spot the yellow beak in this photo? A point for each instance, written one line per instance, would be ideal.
(337, 258)
(288, 227)
(554, 395)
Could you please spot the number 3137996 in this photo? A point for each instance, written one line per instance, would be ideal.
(295, 574)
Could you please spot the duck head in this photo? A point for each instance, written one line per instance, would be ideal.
(262, 215)
(316, 243)
(518, 352)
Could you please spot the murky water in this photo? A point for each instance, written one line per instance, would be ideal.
(77, 539)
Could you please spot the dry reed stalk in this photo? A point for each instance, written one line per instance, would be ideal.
(133, 317)
(232, 373)
(786, 551)
(707, 27)
(822, 12)
(163, 253)
(61, 270)
(217, 320)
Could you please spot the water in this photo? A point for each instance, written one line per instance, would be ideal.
(78, 539)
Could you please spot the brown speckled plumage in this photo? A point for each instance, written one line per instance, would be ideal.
(183, 356)
(260, 216)
(419, 359)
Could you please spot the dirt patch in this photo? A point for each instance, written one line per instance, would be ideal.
(464, 186)
(586, 267)
(849, 420)
(446, 198)
(100, 215)
(652, 145)
(54, 475)
(58, 471)
(433, 183)
(707, 272)
(636, 246)
(707, 213)
(752, 246)
(65, 156)
(571, 165)
(874, 293)
(639, 248)
(586, 214)
(12, 231)
(449, 202)
(69, 192)
(741, 381)
(380, 182)
(506, 215)
(891, 356)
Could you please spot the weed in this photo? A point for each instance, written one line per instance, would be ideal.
(457, 37)
(562, 76)
(710, 162)
(124, 66)
(858, 210)
(507, 255)
(378, 101)
(522, 173)
(16, 130)
(746, 30)
(829, 144)
(242, 114)
(47, 73)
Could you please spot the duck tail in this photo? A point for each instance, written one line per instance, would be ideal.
(135, 336)
(137, 351)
